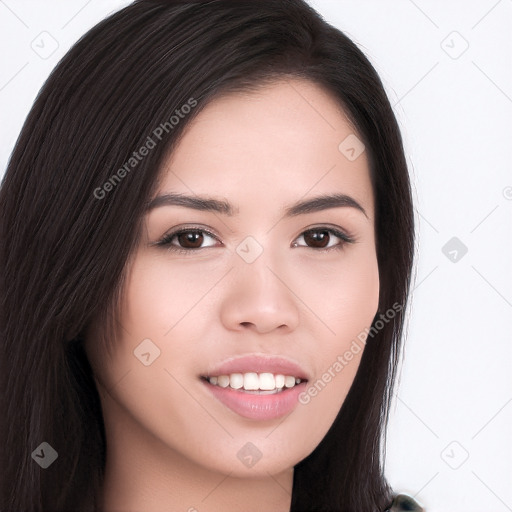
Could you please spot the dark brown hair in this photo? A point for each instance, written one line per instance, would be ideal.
(63, 250)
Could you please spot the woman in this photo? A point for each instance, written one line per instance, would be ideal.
(207, 240)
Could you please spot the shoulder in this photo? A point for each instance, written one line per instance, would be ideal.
(403, 503)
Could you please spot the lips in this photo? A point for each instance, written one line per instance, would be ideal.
(256, 403)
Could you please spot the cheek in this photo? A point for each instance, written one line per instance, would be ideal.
(161, 295)
(342, 293)
(354, 297)
(346, 299)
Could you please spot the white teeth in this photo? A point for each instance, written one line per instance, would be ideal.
(289, 382)
(223, 381)
(279, 381)
(267, 381)
(236, 380)
(253, 381)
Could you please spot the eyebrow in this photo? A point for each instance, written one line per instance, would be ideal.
(316, 204)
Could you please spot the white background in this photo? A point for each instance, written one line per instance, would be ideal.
(454, 105)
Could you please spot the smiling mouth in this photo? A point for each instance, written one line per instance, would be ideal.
(264, 383)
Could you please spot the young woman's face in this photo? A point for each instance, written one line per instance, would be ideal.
(234, 276)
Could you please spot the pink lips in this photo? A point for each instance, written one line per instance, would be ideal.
(254, 406)
(258, 407)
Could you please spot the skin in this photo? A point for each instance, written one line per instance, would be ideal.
(171, 445)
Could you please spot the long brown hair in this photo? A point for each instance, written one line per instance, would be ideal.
(63, 249)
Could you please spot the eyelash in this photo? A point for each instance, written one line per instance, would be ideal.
(167, 239)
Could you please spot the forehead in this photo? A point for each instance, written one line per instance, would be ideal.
(276, 144)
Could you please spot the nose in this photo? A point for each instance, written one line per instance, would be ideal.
(260, 298)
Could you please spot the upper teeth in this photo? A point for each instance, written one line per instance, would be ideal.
(253, 381)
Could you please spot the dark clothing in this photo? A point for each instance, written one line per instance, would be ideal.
(403, 503)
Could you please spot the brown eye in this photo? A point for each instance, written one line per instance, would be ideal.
(318, 239)
(190, 239)
(323, 238)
